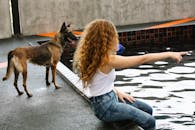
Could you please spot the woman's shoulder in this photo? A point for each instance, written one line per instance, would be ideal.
(106, 68)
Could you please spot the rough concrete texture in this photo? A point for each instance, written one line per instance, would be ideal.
(45, 16)
(5, 21)
(48, 109)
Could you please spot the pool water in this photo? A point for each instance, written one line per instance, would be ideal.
(168, 87)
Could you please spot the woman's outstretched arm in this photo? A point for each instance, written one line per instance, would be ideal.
(117, 61)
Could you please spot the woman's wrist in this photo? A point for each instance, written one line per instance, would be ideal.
(116, 91)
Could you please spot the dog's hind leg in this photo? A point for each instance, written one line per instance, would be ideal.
(47, 76)
(16, 73)
(53, 68)
(24, 74)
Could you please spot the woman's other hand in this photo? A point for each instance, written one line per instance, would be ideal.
(124, 96)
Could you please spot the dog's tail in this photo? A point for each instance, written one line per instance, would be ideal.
(10, 66)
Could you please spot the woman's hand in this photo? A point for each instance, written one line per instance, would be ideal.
(177, 55)
(124, 96)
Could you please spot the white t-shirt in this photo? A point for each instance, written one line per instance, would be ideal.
(102, 83)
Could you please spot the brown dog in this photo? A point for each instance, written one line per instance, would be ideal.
(48, 54)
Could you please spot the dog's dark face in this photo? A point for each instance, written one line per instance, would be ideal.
(67, 35)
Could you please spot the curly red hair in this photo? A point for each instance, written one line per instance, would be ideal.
(93, 48)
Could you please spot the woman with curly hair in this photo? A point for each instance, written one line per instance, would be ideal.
(95, 61)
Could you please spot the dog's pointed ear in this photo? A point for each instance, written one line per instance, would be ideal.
(68, 25)
(63, 27)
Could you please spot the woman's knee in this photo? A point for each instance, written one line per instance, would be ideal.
(150, 124)
(143, 106)
(149, 110)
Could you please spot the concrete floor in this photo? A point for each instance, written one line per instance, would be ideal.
(48, 109)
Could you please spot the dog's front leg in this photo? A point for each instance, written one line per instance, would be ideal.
(53, 69)
(47, 76)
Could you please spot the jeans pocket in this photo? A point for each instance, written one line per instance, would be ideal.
(108, 115)
(96, 107)
(100, 105)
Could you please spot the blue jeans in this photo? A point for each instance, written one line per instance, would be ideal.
(107, 108)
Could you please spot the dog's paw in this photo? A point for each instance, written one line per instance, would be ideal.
(4, 78)
(57, 87)
(20, 93)
(29, 95)
(47, 83)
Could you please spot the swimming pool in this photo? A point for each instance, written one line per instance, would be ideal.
(168, 87)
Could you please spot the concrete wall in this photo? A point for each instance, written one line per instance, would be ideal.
(5, 22)
(39, 16)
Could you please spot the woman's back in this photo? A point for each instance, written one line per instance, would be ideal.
(102, 83)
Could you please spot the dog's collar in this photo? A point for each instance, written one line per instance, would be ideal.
(56, 44)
